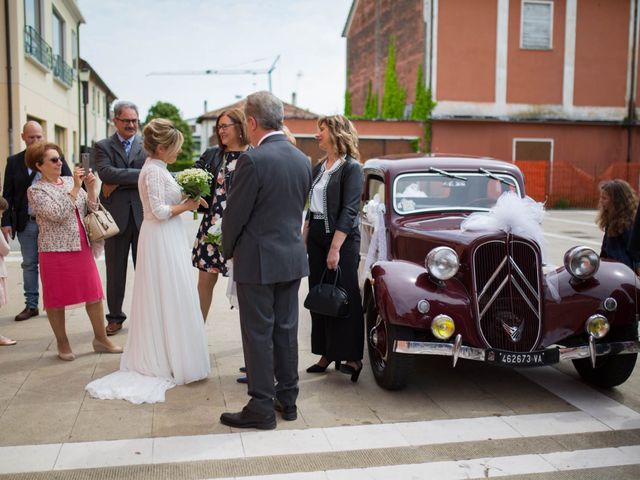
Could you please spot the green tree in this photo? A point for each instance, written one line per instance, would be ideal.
(170, 112)
(424, 104)
(347, 99)
(370, 103)
(393, 99)
(422, 108)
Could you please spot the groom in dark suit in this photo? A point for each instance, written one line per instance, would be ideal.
(118, 160)
(261, 232)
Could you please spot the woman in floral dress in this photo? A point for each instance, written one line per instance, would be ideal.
(220, 161)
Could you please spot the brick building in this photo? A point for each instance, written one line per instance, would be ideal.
(548, 84)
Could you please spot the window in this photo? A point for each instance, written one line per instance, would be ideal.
(532, 149)
(33, 15)
(536, 25)
(60, 134)
(58, 35)
(74, 49)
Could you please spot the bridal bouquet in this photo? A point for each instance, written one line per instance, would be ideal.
(195, 183)
(214, 234)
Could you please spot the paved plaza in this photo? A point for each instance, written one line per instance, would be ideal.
(474, 421)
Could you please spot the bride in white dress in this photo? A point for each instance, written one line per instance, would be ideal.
(167, 344)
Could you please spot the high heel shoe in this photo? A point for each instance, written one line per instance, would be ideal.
(100, 347)
(316, 368)
(67, 357)
(349, 370)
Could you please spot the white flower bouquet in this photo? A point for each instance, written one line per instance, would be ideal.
(214, 234)
(195, 183)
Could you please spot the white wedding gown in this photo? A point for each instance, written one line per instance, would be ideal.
(167, 343)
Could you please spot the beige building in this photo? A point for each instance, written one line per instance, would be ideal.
(96, 99)
(39, 79)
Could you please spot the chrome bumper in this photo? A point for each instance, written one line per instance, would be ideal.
(457, 350)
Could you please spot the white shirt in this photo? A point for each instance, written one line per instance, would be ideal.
(317, 196)
(275, 132)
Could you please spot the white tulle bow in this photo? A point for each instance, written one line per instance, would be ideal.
(512, 214)
(374, 211)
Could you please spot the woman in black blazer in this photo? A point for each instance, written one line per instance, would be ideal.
(332, 234)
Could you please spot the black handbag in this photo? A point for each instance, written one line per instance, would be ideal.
(328, 299)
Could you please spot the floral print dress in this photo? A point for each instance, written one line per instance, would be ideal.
(204, 256)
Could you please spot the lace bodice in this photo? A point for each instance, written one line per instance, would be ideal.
(158, 190)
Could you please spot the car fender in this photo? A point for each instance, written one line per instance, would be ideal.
(576, 301)
(398, 286)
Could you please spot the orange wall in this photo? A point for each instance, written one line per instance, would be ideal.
(589, 147)
(535, 76)
(466, 50)
(602, 41)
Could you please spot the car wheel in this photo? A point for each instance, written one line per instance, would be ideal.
(610, 371)
(391, 370)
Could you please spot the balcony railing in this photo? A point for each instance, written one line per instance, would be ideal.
(62, 71)
(36, 47)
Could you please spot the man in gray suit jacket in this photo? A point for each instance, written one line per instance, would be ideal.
(261, 232)
(118, 160)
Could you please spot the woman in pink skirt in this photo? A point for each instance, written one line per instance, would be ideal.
(68, 270)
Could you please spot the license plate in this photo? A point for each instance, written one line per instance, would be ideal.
(523, 359)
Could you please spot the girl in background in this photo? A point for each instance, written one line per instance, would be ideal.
(4, 251)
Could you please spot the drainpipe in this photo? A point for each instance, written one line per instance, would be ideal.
(77, 60)
(9, 71)
(631, 109)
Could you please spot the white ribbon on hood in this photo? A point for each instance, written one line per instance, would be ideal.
(512, 214)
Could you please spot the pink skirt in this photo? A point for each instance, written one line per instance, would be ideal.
(70, 278)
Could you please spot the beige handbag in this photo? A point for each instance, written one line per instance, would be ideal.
(100, 225)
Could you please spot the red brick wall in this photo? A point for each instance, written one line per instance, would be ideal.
(535, 76)
(467, 50)
(602, 38)
(368, 42)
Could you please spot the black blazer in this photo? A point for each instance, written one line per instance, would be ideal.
(16, 182)
(343, 193)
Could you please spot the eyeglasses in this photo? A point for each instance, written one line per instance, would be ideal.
(224, 126)
(127, 120)
(55, 160)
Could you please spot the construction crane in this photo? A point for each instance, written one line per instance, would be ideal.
(268, 71)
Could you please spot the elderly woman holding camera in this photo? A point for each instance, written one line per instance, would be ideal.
(68, 270)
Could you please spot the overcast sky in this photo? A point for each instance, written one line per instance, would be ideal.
(125, 40)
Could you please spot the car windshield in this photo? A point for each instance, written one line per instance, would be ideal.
(440, 190)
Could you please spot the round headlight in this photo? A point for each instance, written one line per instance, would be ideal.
(597, 326)
(582, 262)
(442, 263)
(442, 327)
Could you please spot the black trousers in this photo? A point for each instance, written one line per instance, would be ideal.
(336, 338)
(116, 251)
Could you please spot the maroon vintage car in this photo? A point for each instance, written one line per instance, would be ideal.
(481, 295)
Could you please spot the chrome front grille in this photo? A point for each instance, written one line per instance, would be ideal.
(508, 305)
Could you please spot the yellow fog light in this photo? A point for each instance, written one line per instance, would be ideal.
(443, 327)
(597, 326)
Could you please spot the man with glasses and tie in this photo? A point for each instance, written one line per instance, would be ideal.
(118, 160)
(19, 219)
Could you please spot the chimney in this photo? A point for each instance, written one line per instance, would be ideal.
(205, 107)
(293, 98)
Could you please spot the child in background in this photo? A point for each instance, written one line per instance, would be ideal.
(4, 251)
(616, 212)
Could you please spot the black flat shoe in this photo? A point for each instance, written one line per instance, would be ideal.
(243, 369)
(316, 368)
(242, 379)
(248, 419)
(349, 370)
